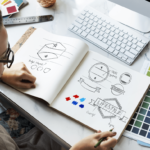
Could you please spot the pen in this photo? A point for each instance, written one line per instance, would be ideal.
(101, 140)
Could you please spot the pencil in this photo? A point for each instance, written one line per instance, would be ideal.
(101, 140)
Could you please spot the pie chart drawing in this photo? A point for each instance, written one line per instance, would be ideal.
(99, 72)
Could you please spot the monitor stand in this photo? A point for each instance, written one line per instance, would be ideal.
(130, 18)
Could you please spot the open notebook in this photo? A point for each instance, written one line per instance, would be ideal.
(82, 84)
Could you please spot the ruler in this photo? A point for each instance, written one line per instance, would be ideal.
(27, 20)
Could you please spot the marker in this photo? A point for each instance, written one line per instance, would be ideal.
(102, 139)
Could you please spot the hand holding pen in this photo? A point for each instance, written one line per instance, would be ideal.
(89, 142)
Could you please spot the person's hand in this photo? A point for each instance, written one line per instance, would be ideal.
(89, 142)
(19, 76)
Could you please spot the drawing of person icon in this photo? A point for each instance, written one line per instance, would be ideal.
(51, 51)
(99, 72)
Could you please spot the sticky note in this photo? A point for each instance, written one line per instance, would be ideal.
(11, 9)
(5, 1)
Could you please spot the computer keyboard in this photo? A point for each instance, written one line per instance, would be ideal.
(109, 35)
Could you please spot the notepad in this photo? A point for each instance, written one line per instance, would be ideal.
(81, 84)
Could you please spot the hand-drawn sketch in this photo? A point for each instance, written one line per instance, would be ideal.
(88, 87)
(109, 108)
(125, 78)
(99, 72)
(117, 89)
(51, 51)
(40, 68)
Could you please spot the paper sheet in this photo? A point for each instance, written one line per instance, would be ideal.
(102, 94)
(51, 59)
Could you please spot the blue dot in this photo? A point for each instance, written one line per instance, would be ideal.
(81, 106)
(74, 103)
(82, 99)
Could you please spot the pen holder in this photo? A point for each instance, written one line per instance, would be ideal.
(46, 3)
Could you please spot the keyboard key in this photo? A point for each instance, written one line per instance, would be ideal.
(123, 45)
(86, 19)
(129, 43)
(144, 42)
(84, 23)
(97, 31)
(139, 39)
(91, 17)
(104, 24)
(133, 51)
(83, 28)
(117, 31)
(96, 35)
(127, 48)
(125, 41)
(140, 44)
(77, 24)
(100, 38)
(120, 55)
(79, 31)
(110, 49)
(109, 43)
(71, 27)
(130, 54)
(113, 45)
(87, 30)
(125, 36)
(138, 48)
(97, 42)
(134, 36)
(89, 26)
(95, 24)
(75, 29)
(95, 19)
(107, 31)
(105, 40)
(79, 20)
(93, 28)
(121, 33)
(112, 29)
(122, 50)
(91, 22)
(124, 57)
(99, 26)
(134, 41)
(118, 48)
(120, 39)
(110, 38)
(92, 33)
(100, 21)
(87, 15)
(108, 26)
(112, 33)
(84, 34)
(129, 60)
(82, 17)
(105, 35)
(133, 46)
(118, 43)
(114, 40)
(116, 36)
(101, 32)
(103, 28)
(130, 38)
(115, 52)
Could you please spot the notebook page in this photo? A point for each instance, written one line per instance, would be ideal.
(102, 94)
(51, 59)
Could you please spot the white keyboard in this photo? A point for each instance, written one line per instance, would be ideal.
(109, 35)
